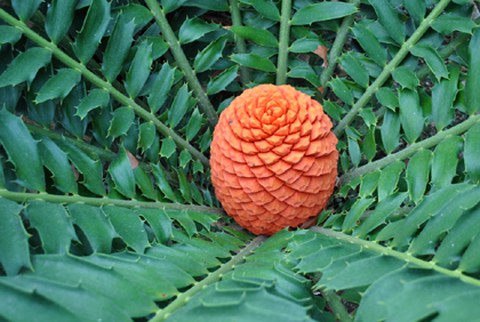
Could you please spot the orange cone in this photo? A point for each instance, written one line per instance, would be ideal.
(273, 158)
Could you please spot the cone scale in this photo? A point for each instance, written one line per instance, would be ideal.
(273, 158)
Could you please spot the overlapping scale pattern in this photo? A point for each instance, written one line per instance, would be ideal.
(273, 158)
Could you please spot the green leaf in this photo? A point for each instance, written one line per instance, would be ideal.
(25, 297)
(179, 262)
(162, 183)
(266, 8)
(137, 13)
(14, 253)
(417, 174)
(161, 87)
(426, 291)
(254, 61)
(9, 35)
(68, 119)
(22, 151)
(118, 47)
(321, 12)
(147, 135)
(185, 221)
(389, 176)
(179, 106)
(95, 225)
(450, 22)
(95, 98)
(472, 94)
(341, 90)
(94, 26)
(184, 186)
(194, 124)
(159, 222)
(354, 151)
(432, 58)
(443, 96)
(416, 9)
(25, 66)
(168, 147)
(56, 161)
(369, 184)
(305, 45)
(206, 220)
(122, 174)
(185, 158)
(406, 77)
(261, 37)
(25, 8)
(369, 146)
(355, 69)
(368, 117)
(472, 153)
(91, 169)
(369, 42)
(59, 85)
(53, 225)
(390, 20)
(222, 80)
(139, 70)
(387, 98)
(462, 235)
(411, 115)
(470, 260)
(159, 46)
(193, 29)
(129, 226)
(301, 69)
(59, 19)
(122, 120)
(390, 131)
(333, 110)
(213, 5)
(356, 211)
(445, 160)
(205, 59)
(144, 182)
(171, 5)
(382, 211)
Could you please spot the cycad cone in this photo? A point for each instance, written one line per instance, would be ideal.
(273, 158)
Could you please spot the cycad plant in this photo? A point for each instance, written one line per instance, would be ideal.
(107, 110)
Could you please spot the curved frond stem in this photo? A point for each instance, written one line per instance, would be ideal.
(100, 83)
(182, 61)
(213, 277)
(100, 202)
(410, 150)
(88, 148)
(407, 258)
(337, 46)
(390, 67)
(337, 306)
(239, 42)
(283, 42)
